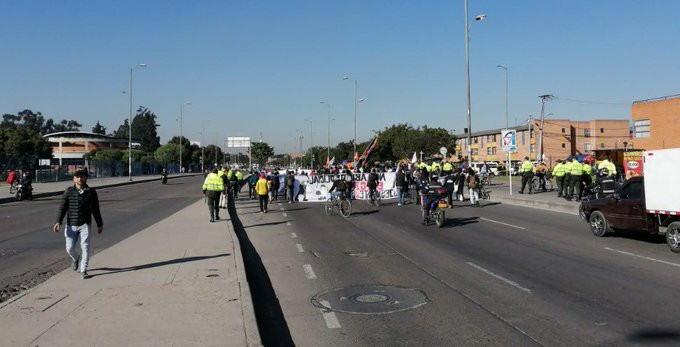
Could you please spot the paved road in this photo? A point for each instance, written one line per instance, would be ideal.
(497, 275)
(30, 252)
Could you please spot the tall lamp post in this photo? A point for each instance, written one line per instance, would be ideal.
(505, 68)
(181, 114)
(130, 124)
(355, 113)
(329, 129)
(467, 76)
(311, 144)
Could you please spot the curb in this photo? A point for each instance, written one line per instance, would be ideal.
(48, 194)
(563, 207)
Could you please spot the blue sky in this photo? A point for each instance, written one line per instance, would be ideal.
(264, 66)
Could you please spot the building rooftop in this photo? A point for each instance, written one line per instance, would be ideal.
(658, 99)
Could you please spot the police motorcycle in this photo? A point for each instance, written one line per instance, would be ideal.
(164, 177)
(24, 189)
(433, 203)
(604, 186)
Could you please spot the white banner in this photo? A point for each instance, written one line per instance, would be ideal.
(316, 187)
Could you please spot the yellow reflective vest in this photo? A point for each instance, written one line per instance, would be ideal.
(527, 166)
(213, 182)
(576, 168)
(239, 175)
(587, 169)
(606, 164)
(448, 167)
(436, 166)
(261, 187)
(558, 170)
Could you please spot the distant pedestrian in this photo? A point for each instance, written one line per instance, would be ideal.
(558, 172)
(527, 171)
(212, 187)
(400, 182)
(79, 203)
(473, 185)
(262, 189)
(252, 180)
(290, 186)
(460, 185)
(276, 184)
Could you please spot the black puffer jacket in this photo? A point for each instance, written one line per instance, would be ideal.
(79, 206)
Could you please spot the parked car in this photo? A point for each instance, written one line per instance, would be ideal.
(647, 203)
(493, 167)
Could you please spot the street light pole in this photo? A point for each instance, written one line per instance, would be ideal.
(355, 114)
(467, 76)
(329, 129)
(544, 98)
(311, 144)
(181, 114)
(507, 125)
(130, 124)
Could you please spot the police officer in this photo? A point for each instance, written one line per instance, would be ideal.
(212, 187)
(527, 170)
(575, 171)
(239, 182)
(558, 172)
(447, 168)
(606, 164)
(586, 178)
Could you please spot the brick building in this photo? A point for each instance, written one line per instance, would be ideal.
(73, 145)
(561, 138)
(656, 123)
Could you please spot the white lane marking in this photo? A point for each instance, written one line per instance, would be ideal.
(288, 224)
(642, 256)
(309, 272)
(293, 235)
(299, 247)
(330, 318)
(285, 214)
(512, 283)
(495, 221)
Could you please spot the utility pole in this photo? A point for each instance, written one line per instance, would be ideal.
(544, 98)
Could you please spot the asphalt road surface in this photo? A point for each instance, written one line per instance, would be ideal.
(30, 252)
(496, 275)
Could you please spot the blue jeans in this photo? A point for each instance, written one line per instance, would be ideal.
(72, 234)
(400, 196)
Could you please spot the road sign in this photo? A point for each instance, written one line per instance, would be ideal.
(238, 142)
(443, 150)
(509, 141)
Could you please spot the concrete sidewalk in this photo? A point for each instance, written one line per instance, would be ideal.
(57, 188)
(543, 200)
(179, 282)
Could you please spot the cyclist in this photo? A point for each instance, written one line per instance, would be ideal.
(541, 171)
(338, 189)
(372, 183)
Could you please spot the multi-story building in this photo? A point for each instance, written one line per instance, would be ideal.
(73, 145)
(656, 123)
(561, 138)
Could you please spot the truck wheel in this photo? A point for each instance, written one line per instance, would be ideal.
(673, 237)
(598, 224)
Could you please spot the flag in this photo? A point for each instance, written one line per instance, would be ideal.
(356, 156)
(414, 159)
(371, 147)
(328, 161)
(331, 162)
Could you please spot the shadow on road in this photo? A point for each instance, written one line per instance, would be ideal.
(265, 224)
(654, 335)
(458, 222)
(270, 319)
(112, 270)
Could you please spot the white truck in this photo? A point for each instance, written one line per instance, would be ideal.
(648, 204)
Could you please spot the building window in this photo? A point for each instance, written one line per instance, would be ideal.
(531, 149)
(531, 134)
(563, 131)
(641, 128)
(490, 138)
(474, 151)
(491, 151)
(523, 137)
(602, 145)
(475, 140)
(601, 130)
(586, 147)
(481, 141)
(586, 132)
(564, 145)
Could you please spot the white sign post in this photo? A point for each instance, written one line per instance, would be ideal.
(241, 142)
(509, 144)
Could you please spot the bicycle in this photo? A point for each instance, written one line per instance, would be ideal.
(335, 205)
(484, 194)
(13, 187)
(536, 183)
(486, 180)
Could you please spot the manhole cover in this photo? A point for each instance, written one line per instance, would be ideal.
(375, 299)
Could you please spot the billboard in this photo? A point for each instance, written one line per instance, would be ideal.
(509, 141)
(238, 142)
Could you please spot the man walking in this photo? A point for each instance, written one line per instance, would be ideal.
(576, 169)
(558, 172)
(212, 187)
(262, 191)
(252, 180)
(290, 186)
(527, 171)
(79, 203)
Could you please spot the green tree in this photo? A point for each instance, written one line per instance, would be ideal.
(137, 155)
(108, 154)
(122, 131)
(144, 129)
(167, 153)
(261, 151)
(213, 155)
(99, 129)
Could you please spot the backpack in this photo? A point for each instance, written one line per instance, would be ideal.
(472, 182)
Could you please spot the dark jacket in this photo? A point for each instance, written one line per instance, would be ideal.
(80, 207)
(372, 180)
(400, 179)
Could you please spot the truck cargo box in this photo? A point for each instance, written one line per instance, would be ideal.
(662, 181)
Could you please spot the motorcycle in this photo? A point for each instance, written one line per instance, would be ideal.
(24, 190)
(433, 204)
(164, 178)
